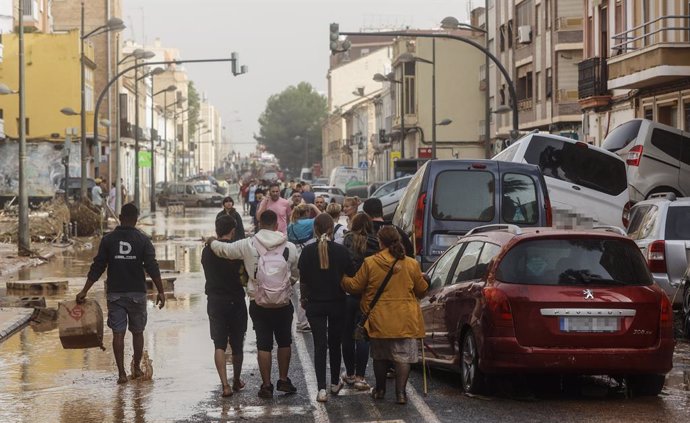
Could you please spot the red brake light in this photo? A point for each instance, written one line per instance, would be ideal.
(656, 257)
(634, 156)
(478, 166)
(547, 209)
(497, 303)
(581, 144)
(666, 312)
(626, 213)
(419, 224)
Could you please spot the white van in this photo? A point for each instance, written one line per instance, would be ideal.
(344, 177)
(581, 178)
(657, 157)
(305, 175)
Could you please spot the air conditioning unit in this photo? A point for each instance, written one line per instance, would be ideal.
(524, 34)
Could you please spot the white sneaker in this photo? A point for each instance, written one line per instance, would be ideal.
(322, 396)
(335, 389)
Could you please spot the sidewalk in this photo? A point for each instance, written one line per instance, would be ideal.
(13, 319)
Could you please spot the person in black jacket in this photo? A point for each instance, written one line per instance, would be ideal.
(229, 210)
(321, 267)
(361, 243)
(374, 208)
(126, 253)
(227, 311)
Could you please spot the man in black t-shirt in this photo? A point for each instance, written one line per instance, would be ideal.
(227, 311)
(374, 208)
(126, 252)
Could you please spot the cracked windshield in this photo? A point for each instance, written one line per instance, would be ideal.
(325, 211)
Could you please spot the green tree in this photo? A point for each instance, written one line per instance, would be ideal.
(193, 101)
(291, 121)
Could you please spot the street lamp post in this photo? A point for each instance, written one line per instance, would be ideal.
(153, 73)
(511, 86)
(23, 235)
(235, 71)
(113, 24)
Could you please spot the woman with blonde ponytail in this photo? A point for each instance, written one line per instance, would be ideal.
(322, 266)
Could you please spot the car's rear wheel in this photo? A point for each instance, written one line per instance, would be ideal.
(471, 376)
(646, 385)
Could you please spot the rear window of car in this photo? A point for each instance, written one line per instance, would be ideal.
(622, 136)
(577, 164)
(464, 195)
(519, 204)
(574, 261)
(678, 223)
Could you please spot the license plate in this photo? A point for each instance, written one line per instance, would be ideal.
(589, 324)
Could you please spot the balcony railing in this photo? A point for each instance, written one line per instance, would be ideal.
(671, 29)
(592, 78)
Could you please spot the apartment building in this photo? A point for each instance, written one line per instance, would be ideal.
(540, 42)
(636, 65)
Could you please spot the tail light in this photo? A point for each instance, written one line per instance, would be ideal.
(634, 156)
(497, 303)
(656, 257)
(666, 312)
(419, 224)
(547, 209)
(626, 213)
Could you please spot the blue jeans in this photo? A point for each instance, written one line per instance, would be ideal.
(355, 353)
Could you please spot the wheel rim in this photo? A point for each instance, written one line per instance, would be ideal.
(686, 300)
(468, 361)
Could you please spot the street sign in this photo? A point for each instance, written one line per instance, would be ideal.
(144, 159)
(394, 155)
(424, 153)
(363, 164)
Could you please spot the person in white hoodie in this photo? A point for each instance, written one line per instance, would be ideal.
(268, 322)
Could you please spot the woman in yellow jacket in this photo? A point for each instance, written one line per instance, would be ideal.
(395, 323)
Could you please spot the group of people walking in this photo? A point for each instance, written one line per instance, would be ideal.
(297, 265)
(343, 276)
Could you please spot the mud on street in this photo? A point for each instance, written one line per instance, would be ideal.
(43, 382)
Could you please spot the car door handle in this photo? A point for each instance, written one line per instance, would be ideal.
(576, 188)
(433, 298)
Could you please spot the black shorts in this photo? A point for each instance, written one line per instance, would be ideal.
(227, 319)
(270, 322)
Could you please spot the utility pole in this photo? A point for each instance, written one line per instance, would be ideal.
(24, 235)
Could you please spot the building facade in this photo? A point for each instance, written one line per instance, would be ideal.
(636, 65)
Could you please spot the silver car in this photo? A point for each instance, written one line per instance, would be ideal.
(390, 194)
(329, 193)
(661, 228)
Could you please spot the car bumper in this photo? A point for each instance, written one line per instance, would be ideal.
(505, 355)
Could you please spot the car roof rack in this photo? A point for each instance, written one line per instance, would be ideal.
(513, 229)
(610, 228)
(670, 196)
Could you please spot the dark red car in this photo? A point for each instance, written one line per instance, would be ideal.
(506, 300)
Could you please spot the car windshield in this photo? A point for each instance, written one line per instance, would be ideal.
(574, 261)
(204, 188)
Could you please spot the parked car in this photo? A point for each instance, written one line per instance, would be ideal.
(74, 186)
(686, 303)
(389, 194)
(447, 198)
(507, 300)
(660, 227)
(329, 192)
(657, 157)
(582, 179)
(191, 194)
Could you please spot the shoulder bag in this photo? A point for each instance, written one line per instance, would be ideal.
(360, 333)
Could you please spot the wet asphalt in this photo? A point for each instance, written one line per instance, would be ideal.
(40, 381)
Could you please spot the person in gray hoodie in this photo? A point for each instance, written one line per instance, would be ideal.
(268, 322)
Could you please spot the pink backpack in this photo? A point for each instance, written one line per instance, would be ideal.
(272, 275)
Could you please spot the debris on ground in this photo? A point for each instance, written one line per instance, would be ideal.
(46, 223)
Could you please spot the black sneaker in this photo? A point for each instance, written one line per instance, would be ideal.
(266, 391)
(286, 386)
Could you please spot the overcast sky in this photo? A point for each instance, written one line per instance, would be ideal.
(283, 42)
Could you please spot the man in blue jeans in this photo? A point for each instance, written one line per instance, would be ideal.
(126, 253)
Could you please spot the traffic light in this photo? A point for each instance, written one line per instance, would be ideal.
(234, 56)
(334, 36)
